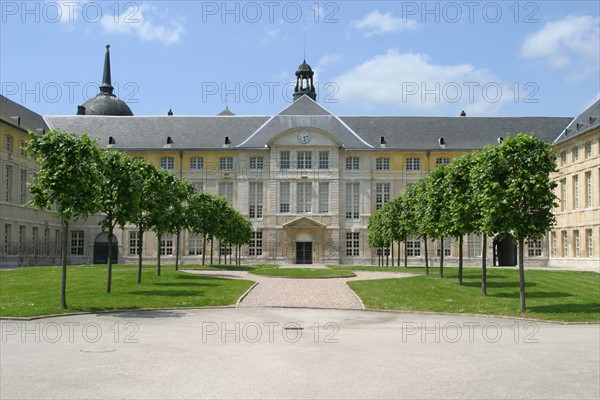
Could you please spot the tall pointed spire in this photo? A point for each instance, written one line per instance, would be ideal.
(106, 86)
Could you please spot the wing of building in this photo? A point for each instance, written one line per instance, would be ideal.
(307, 179)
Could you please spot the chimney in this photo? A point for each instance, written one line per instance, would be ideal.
(80, 110)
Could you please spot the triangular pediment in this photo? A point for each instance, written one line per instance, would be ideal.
(304, 222)
(305, 113)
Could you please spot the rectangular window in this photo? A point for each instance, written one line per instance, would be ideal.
(413, 164)
(284, 160)
(8, 183)
(304, 197)
(167, 163)
(382, 164)
(226, 163)
(23, 187)
(565, 243)
(22, 148)
(442, 161)
(590, 242)
(256, 163)
(194, 245)
(304, 159)
(256, 243)
(46, 241)
(473, 246)
(284, 197)
(352, 243)
(225, 249)
(323, 197)
(352, 200)
(413, 248)
(21, 239)
(534, 248)
(563, 195)
(382, 194)
(166, 245)
(226, 190)
(575, 154)
(255, 200)
(323, 160)
(563, 157)
(575, 192)
(554, 244)
(197, 163)
(588, 189)
(34, 239)
(588, 149)
(8, 143)
(447, 248)
(7, 238)
(576, 244)
(134, 243)
(352, 163)
(77, 243)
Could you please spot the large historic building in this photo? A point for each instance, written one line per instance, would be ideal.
(307, 179)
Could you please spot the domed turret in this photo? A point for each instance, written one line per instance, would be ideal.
(105, 103)
(304, 82)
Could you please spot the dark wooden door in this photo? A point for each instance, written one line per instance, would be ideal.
(303, 252)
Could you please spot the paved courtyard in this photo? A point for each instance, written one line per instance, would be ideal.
(296, 353)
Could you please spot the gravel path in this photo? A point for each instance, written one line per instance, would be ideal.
(298, 292)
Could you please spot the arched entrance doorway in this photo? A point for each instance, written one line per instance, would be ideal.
(101, 249)
(506, 250)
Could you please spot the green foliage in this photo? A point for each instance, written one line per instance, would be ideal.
(68, 175)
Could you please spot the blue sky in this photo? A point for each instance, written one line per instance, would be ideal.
(503, 58)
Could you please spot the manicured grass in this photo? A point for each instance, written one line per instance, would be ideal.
(270, 270)
(551, 295)
(27, 292)
(410, 269)
(218, 267)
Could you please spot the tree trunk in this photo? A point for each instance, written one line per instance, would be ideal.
(109, 277)
(212, 248)
(140, 247)
(405, 255)
(460, 260)
(521, 275)
(483, 265)
(63, 263)
(426, 257)
(203, 249)
(158, 237)
(177, 252)
(442, 257)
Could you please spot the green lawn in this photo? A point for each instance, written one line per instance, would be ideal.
(268, 270)
(551, 295)
(30, 292)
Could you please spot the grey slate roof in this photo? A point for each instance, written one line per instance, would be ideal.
(459, 133)
(588, 120)
(152, 132)
(30, 121)
(356, 133)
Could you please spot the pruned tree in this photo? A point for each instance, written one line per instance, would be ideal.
(462, 211)
(435, 222)
(117, 198)
(68, 178)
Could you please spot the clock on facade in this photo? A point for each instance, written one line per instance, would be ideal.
(304, 137)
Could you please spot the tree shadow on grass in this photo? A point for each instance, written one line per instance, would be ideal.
(218, 267)
(146, 314)
(532, 295)
(493, 284)
(171, 293)
(188, 284)
(587, 308)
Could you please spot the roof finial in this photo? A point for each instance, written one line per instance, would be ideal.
(106, 86)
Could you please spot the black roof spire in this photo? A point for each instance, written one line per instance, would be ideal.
(304, 82)
(106, 86)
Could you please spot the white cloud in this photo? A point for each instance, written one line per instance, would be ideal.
(329, 59)
(147, 23)
(411, 82)
(572, 44)
(376, 23)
